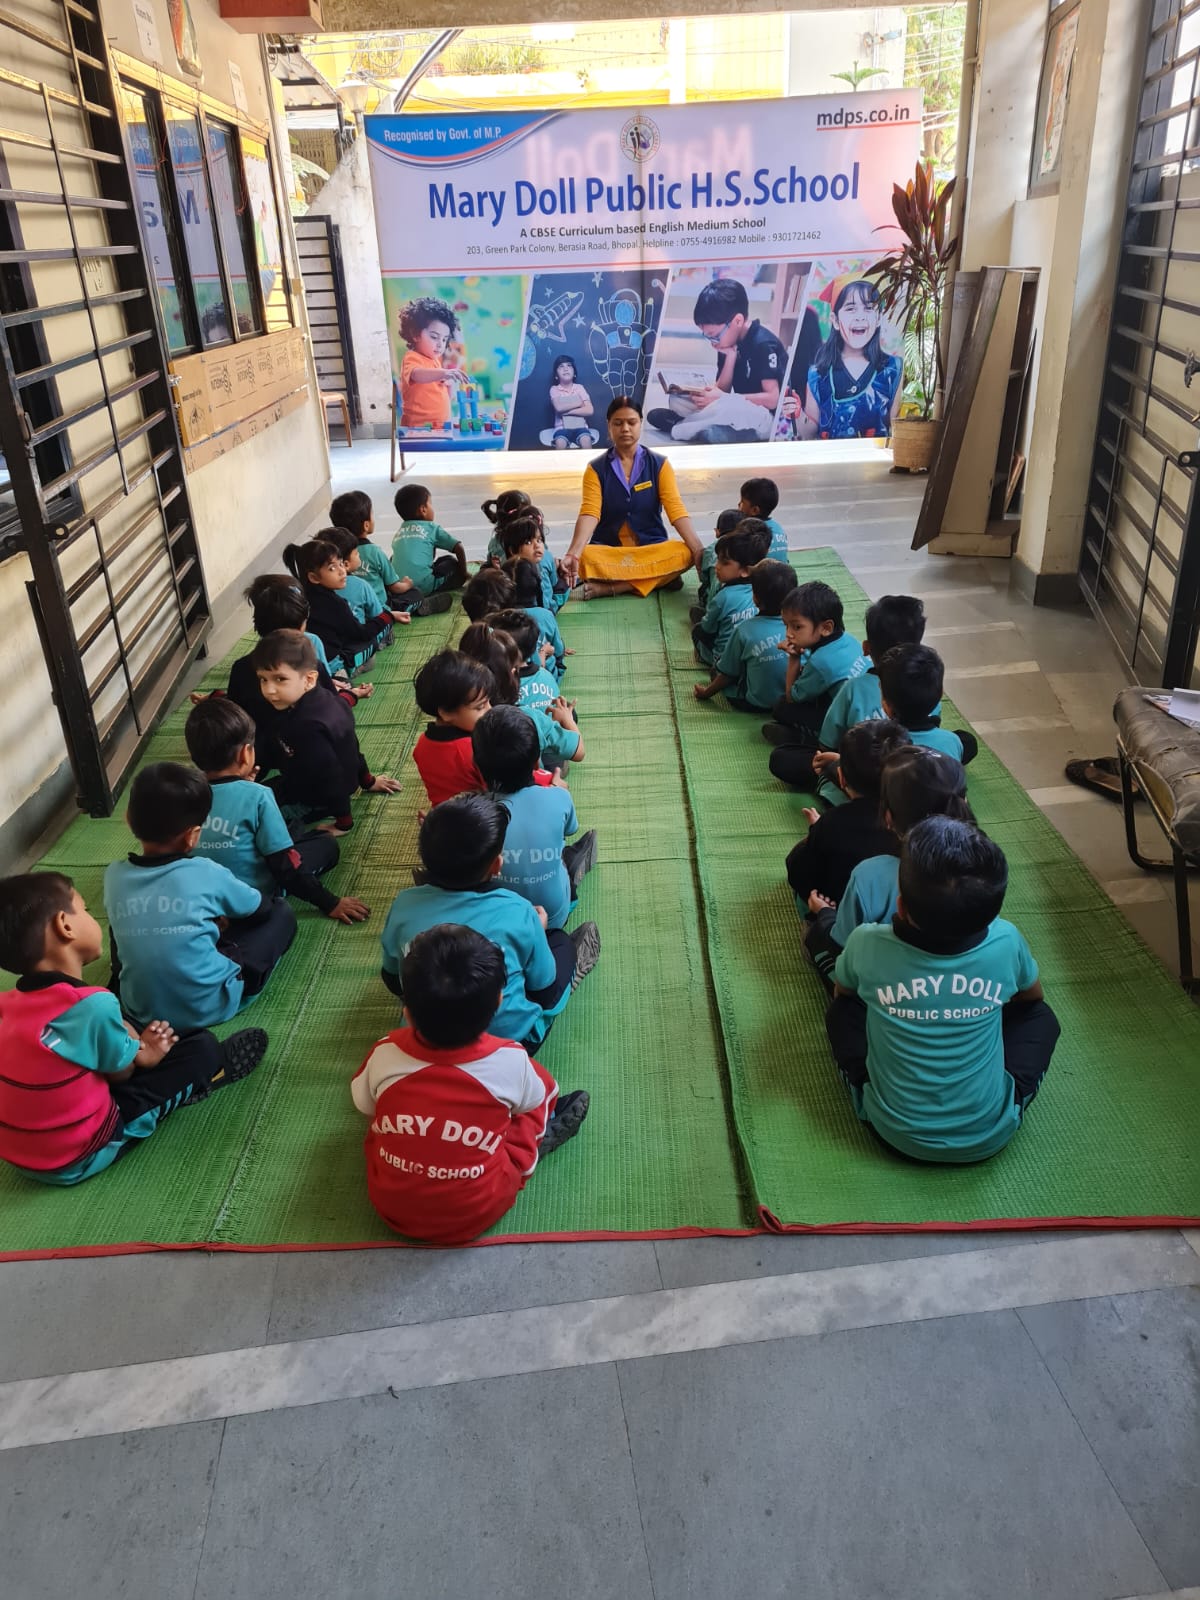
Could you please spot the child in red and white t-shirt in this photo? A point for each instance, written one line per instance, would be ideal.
(458, 1118)
(455, 691)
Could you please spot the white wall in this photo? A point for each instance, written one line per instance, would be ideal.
(1072, 237)
(347, 200)
(218, 45)
(825, 42)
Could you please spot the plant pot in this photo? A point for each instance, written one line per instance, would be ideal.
(913, 444)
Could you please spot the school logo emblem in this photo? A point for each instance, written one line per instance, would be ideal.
(640, 139)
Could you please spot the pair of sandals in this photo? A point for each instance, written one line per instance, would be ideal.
(1101, 774)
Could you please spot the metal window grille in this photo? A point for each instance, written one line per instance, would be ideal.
(1140, 560)
(97, 472)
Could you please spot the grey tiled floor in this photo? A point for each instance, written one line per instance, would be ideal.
(1047, 1452)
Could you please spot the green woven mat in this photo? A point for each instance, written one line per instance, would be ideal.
(1115, 1131)
(278, 1161)
(700, 1035)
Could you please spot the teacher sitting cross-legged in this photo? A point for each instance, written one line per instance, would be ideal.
(620, 544)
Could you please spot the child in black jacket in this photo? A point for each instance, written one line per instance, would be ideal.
(838, 840)
(321, 571)
(320, 763)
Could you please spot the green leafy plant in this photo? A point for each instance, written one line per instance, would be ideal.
(912, 282)
(856, 75)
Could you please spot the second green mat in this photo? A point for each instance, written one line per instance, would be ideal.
(1115, 1130)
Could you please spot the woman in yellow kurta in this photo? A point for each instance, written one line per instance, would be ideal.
(620, 545)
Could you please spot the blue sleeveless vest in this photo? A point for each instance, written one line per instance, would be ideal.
(639, 506)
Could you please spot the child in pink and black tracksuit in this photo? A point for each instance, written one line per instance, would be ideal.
(458, 1117)
(80, 1087)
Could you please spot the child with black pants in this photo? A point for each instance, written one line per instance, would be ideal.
(461, 845)
(838, 840)
(188, 940)
(245, 830)
(319, 568)
(320, 763)
(821, 656)
(938, 1026)
(459, 1115)
(81, 1087)
(914, 783)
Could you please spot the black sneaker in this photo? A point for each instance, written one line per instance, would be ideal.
(433, 605)
(586, 939)
(779, 733)
(240, 1054)
(662, 420)
(566, 1121)
(581, 860)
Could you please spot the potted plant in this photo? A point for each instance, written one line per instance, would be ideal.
(912, 286)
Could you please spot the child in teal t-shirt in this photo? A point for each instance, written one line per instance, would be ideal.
(759, 498)
(526, 596)
(732, 602)
(913, 784)
(418, 540)
(245, 830)
(81, 1086)
(727, 521)
(354, 512)
(461, 845)
(938, 1024)
(538, 864)
(558, 731)
(821, 656)
(189, 941)
(537, 688)
(752, 667)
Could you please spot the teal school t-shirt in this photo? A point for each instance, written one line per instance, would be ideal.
(538, 690)
(555, 740)
(375, 569)
(856, 701)
(754, 660)
(732, 603)
(164, 919)
(499, 915)
(708, 577)
(244, 826)
(939, 739)
(937, 1086)
(828, 666)
(360, 597)
(548, 572)
(540, 819)
(415, 548)
(548, 629)
(318, 645)
(870, 896)
(779, 544)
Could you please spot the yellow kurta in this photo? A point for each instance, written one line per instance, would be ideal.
(645, 567)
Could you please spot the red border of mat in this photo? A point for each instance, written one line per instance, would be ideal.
(771, 1225)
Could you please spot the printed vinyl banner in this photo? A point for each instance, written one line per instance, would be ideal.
(711, 261)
